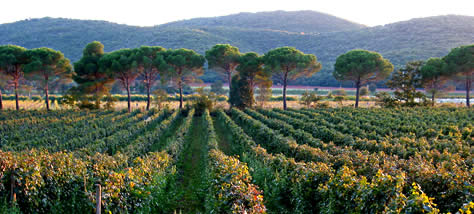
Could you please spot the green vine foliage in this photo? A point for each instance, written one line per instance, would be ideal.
(331, 160)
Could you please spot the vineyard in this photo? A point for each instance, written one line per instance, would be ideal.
(334, 160)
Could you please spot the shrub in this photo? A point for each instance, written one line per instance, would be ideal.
(339, 92)
(364, 91)
(384, 99)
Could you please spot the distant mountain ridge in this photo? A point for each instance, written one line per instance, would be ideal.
(324, 35)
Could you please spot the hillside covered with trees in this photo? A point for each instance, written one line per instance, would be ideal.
(325, 36)
(290, 21)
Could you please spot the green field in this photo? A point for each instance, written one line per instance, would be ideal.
(335, 160)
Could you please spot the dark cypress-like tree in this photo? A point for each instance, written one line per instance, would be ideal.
(91, 79)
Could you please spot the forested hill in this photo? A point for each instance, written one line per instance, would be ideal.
(294, 21)
(400, 42)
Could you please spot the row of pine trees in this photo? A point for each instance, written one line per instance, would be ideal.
(95, 72)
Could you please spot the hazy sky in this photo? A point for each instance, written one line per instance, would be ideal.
(149, 12)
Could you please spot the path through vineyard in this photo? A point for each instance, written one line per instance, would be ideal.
(192, 169)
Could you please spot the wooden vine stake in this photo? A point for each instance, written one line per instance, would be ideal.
(12, 189)
(98, 198)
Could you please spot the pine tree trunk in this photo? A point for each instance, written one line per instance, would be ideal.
(1, 100)
(434, 91)
(432, 98)
(357, 93)
(148, 97)
(129, 99)
(180, 96)
(17, 104)
(468, 90)
(47, 96)
(284, 91)
(97, 102)
(97, 97)
(229, 79)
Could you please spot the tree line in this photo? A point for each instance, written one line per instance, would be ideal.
(96, 71)
(362, 67)
(42, 65)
